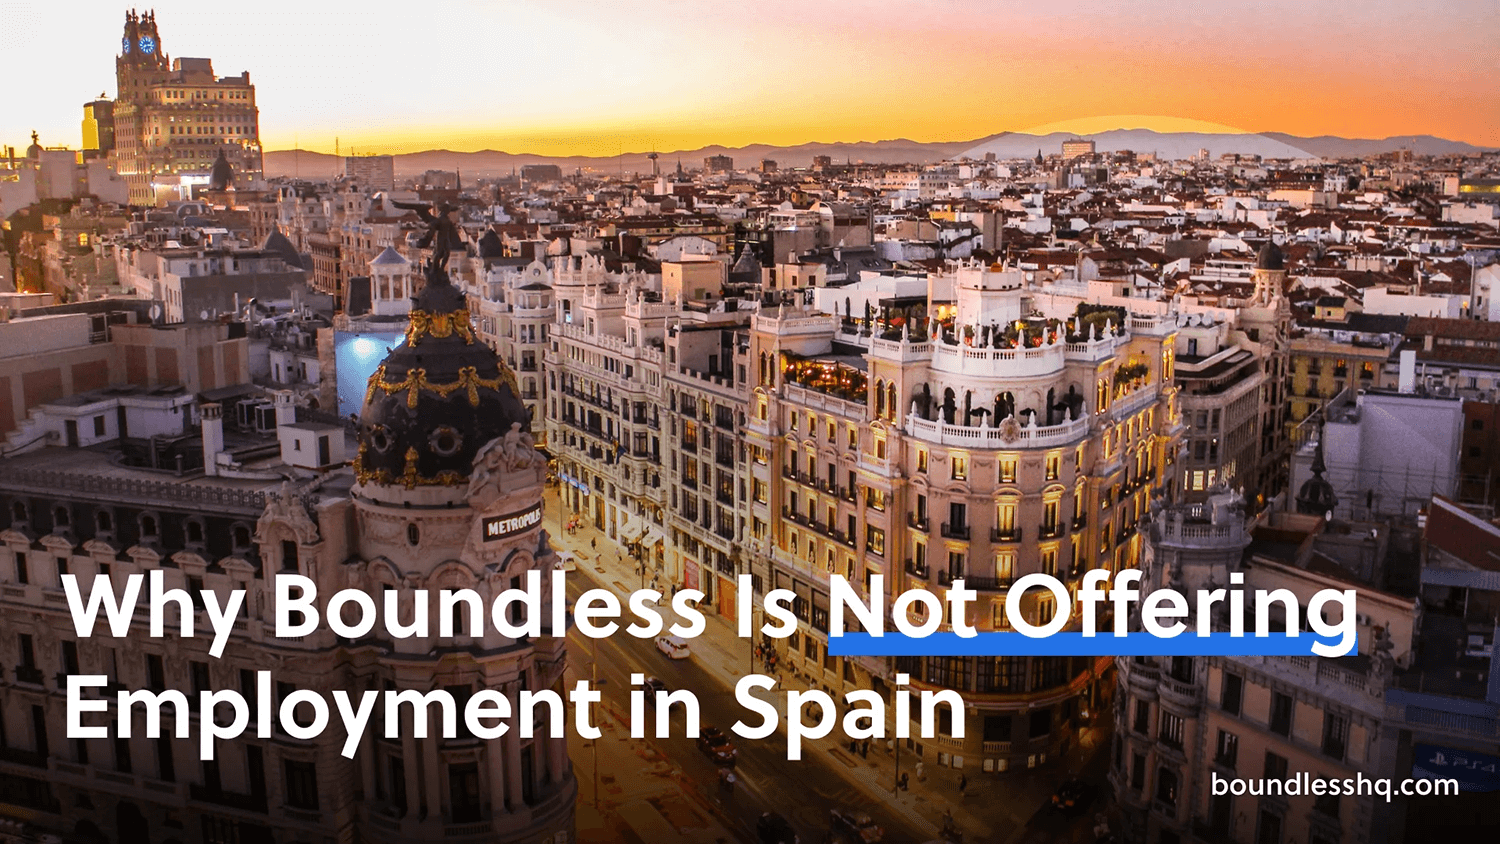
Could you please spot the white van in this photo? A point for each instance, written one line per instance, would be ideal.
(673, 646)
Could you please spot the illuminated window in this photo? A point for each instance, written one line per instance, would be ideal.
(960, 467)
(921, 460)
(1054, 466)
(1007, 470)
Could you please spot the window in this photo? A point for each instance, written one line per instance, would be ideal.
(921, 460)
(1166, 787)
(874, 540)
(23, 576)
(960, 467)
(166, 765)
(1008, 470)
(463, 792)
(1138, 772)
(301, 785)
(1054, 466)
(1335, 736)
(1228, 749)
(1327, 804)
(1171, 730)
(156, 674)
(1281, 714)
(1229, 693)
(288, 555)
(1270, 828)
(1142, 717)
(1275, 766)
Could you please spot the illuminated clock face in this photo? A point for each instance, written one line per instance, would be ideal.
(125, 44)
(148, 44)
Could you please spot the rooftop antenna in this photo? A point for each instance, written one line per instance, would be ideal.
(655, 169)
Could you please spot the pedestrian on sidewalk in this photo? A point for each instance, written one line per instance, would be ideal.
(594, 543)
(963, 784)
(864, 749)
(905, 781)
(921, 772)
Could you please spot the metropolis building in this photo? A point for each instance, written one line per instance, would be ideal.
(444, 493)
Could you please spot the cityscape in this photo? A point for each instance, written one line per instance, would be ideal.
(1214, 357)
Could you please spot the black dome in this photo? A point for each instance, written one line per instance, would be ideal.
(436, 400)
(221, 177)
(1270, 257)
(1316, 497)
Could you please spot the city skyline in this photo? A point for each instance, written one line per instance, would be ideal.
(564, 86)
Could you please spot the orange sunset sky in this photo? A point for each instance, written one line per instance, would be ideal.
(585, 78)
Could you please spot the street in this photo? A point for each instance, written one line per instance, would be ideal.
(804, 792)
(661, 790)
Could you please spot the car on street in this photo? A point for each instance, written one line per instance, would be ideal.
(856, 825)
(651, 686)
(675, 647)
(775, 829)
(716, 746)
(1073, 796)
(567, 561)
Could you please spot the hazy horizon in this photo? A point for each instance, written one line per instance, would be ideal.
(599, 80)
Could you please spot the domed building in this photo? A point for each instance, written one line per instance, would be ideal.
(447, 495)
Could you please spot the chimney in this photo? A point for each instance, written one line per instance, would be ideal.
(286, 411)
(213, 436)
(1408, 382)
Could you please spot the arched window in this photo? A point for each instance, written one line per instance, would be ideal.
(241, 536)
(149, 528)
(61, 517)
(18, 511)
(104, 521)
(195, 532)
(879, 399)
(890, 400)
(413, 534)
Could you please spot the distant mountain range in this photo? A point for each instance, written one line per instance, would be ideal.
(491, 163)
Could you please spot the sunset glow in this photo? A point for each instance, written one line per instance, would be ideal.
(604, 78)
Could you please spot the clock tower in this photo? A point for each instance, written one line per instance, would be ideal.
(175, 118)
(141, 62)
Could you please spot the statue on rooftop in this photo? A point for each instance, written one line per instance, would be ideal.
(442, 235)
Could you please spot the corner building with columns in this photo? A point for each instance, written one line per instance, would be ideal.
(974, 440)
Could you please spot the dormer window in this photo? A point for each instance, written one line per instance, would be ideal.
(149, 527)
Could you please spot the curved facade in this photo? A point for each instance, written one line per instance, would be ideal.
(981, 448)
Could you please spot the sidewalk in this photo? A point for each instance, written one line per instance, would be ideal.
(994, 807)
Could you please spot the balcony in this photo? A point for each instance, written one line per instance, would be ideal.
(915, 570)
(219, 797)
(30, 675)
(983, 583)
(914, 521)
(29, 758)
(1052, 531)
(1010, 534)
(952, 531)
(1079, 522)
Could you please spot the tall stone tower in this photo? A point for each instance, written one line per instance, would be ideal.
(1266, 321)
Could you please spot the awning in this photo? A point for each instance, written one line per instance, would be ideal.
(631, 529)
(653, 537)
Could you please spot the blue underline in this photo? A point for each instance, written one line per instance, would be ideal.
(1076, 644)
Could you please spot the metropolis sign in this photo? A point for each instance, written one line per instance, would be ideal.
(500, 527)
